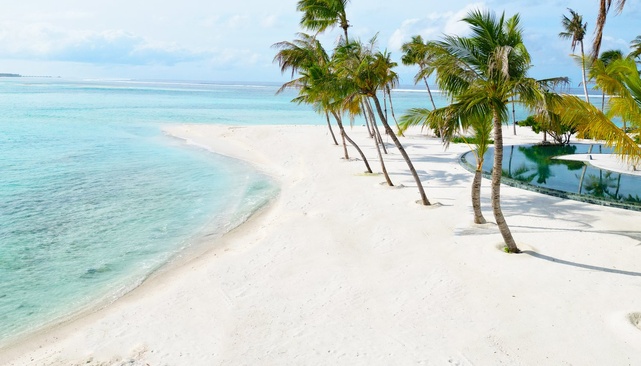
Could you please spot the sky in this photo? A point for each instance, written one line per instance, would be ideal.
(231, 41)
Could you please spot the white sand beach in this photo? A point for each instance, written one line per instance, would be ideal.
(341, 270)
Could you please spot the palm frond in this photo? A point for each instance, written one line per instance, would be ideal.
(590, 121)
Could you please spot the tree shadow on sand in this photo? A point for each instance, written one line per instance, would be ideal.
(580, 265)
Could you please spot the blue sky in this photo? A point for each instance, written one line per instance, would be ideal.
(231, 40)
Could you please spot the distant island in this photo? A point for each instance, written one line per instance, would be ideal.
(10, 75)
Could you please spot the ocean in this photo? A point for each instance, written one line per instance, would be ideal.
(94, 198)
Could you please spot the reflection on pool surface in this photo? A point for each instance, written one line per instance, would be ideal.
(533, 167)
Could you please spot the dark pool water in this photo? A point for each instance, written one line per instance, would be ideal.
(534, 167)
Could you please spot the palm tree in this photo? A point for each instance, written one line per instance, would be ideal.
(622, 82)
(604, 8)
(599, 66)
(386, 58)
(482, 73)
(635, 47)
(574, 29)
(327, 93)
(319, 15)
(316, 83)
(416, 52)
(370, 71)
(301, 54)
(452, 120)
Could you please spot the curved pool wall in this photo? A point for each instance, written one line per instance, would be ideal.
(535, 168)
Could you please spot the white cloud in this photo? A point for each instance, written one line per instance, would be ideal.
(237, 21)
(269, 21)
(45, 42)
(197, 37)
(432, 26)
(454, 25)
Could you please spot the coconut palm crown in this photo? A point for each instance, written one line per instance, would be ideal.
(320, 15)
(482, 73)
(575, 29)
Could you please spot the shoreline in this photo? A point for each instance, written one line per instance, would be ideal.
(199, 244)
(341, 270)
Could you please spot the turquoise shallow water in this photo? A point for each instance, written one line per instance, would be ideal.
(94, 198)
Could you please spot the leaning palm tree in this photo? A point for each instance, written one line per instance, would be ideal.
(319, 15)
(303, 53)
(604, 9)
(370, 71)
(417, 52)
(574, 29)
(386, 58)
(482, 73)
(326, 93)
(316, 82)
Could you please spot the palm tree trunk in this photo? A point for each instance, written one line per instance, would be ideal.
(598, 29)
(391, 107)
(344, 147)
(329, 125)
(513, 117)
(345, 152)
(585, 81)
(476, 192)
(383, 168)
(377, 132)
(400, 148)
(429, 92)
(497, 171)
(367, 121)
(339, 122)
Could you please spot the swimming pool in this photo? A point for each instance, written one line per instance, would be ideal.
(535, 168)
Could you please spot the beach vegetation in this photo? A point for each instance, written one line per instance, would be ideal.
(417, 52)
(482, 73)
(635, 48)
(620, 80)
(454, 123)
(546, 119)
(552, 126)
(371, 71)
(574, 28)
(316, 82)
(392, 82)
(599, 67)
(362, 73)
(320, 15)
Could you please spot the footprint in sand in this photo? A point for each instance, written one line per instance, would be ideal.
(635, 319)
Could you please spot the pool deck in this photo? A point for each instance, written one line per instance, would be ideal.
(611, 162)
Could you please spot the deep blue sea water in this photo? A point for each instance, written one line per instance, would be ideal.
(94, 197)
